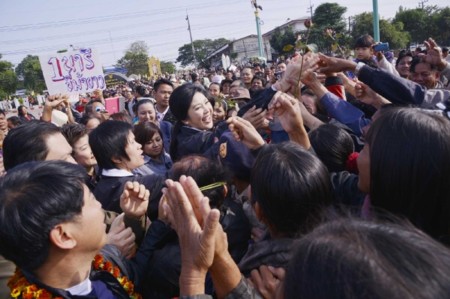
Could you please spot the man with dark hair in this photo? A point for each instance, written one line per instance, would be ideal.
(42, 141)
(117, 154)
(425, 74)
(163, 88)
(58, 243)
(35, 141)
(53, 242)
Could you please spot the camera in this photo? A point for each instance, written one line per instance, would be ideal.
(381, 47)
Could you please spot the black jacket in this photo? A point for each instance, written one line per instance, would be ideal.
(109, 189)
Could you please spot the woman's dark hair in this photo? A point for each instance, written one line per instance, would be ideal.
(15, 120)
(121, 116)
(215, 83)
(20, 110)
(222, 103)
(180, 100)
(108, 141)
(86, 118)
(409, 167)
(260, 76)
(364, 41)
(291, 186)
(142, 102)
(141, 90)
(204, 172)
(26, 219)
(73, 132)
(401, 55)
(143, 132)
(225, 81)
(350, 258)
(332, 145)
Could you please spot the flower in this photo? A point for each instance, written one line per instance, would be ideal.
(308, 23)
(21, 287)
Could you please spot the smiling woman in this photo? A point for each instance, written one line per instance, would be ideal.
(192, 133)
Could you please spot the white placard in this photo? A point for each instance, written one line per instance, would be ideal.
(71, 72)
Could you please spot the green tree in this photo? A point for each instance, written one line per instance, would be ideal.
(328, 15)
(168, 67)
(135, 59)
(441, 25)
(418, 22)
(31, 72)
(393, 33)
(203, 47)
(8, 79)
(283, 42)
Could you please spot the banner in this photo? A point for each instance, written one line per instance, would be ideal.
(154, 67)
(76, 71)
(113, 79)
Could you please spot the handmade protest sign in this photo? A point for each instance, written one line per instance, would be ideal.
(77, 71)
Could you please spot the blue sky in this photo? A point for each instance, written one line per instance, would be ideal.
(35, 27)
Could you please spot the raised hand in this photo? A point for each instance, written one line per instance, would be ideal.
(197, 243)
(287, 110)
(134, 199)
(257, 117)
(434, 54)
(245, 132)
(294, 71)
(54, 100)
(334, 65)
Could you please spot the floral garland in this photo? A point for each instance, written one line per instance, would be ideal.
(21, 287)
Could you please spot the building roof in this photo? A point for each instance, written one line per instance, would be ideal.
(290, 23)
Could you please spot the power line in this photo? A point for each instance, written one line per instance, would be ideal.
(110, 17)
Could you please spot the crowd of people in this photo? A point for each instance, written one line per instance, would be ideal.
(316, 177)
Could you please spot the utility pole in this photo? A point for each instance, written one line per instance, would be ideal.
(349, 24)
(112, 46)
(422, 4)
(190, 35)
(376, 22)
(310, 9)
(258, 28)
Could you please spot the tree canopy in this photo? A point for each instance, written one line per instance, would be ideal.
(280, 40)
(203, 48)
(391, 32)
(167, 67)
(328, 16)
(8, 79)
(135, 59)
(33, 78)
